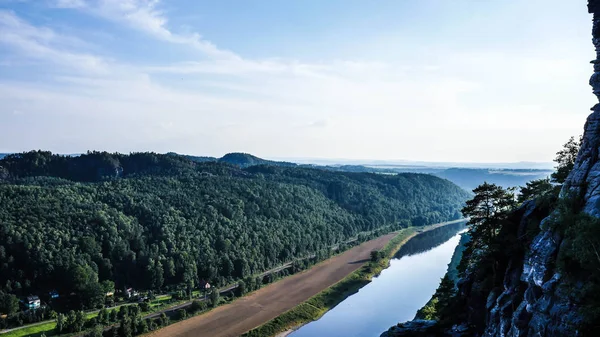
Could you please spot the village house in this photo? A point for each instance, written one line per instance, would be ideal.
(204, 285)
(130, 292)
(33, 302)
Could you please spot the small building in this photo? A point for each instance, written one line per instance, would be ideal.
(204, 285)
(33, 302)
(130, 292)
(110, 293)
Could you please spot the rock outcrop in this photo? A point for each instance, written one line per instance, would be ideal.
(584, 180)
(531, 301)
(415, 328)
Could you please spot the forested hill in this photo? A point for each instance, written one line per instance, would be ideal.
(239, 159)
(247, 160)
(153, 221)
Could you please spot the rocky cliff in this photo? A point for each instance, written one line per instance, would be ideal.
(534, 301)
(531, 297)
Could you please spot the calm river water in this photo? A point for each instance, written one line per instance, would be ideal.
(397, 294)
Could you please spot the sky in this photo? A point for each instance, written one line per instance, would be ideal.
(424, 80)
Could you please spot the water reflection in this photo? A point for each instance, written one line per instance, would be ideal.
(428, 240)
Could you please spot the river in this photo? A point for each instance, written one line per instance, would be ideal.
(396, 294)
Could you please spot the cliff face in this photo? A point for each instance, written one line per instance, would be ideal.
(584, 180)
(546, 308)
(533, 300)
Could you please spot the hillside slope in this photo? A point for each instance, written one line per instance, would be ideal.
(152, 221)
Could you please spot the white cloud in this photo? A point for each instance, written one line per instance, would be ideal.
(41, 43)
(146, 17)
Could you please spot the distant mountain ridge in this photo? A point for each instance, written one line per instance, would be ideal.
(466, 178)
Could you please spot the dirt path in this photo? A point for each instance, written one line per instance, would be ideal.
(269, 302)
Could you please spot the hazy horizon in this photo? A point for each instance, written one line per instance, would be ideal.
(494, 82)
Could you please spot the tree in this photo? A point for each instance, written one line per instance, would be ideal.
(81, 276)
(241, 289)
(96, 331)
(441, 302)
(9, 303)
(214, 297)
(565, 159)
(134, 310)
(123, 311)
(163, 319)
(377, 255)
(113, 315)
(535, 189)
(197, 306)
(60, 323)
(93, 295)
(144, 306)
(74, 321)
(151, 324)
(487, 211)
(374, 256)
(79, 321)
(107, 286)
(181, 314)
(429, 311)
(125, 329)
(156, 275)
(141, 326)
(445, 295)
(103, 316)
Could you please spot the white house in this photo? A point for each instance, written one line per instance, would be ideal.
(33, 302)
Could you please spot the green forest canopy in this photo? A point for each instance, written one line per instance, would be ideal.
(150, 221)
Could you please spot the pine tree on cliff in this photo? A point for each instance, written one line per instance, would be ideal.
(487, 211)
(445, 295)
(565, 158)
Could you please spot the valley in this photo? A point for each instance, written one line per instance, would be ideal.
(84, 232)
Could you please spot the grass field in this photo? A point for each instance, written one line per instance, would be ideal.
(37, 330)
(48, 327)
